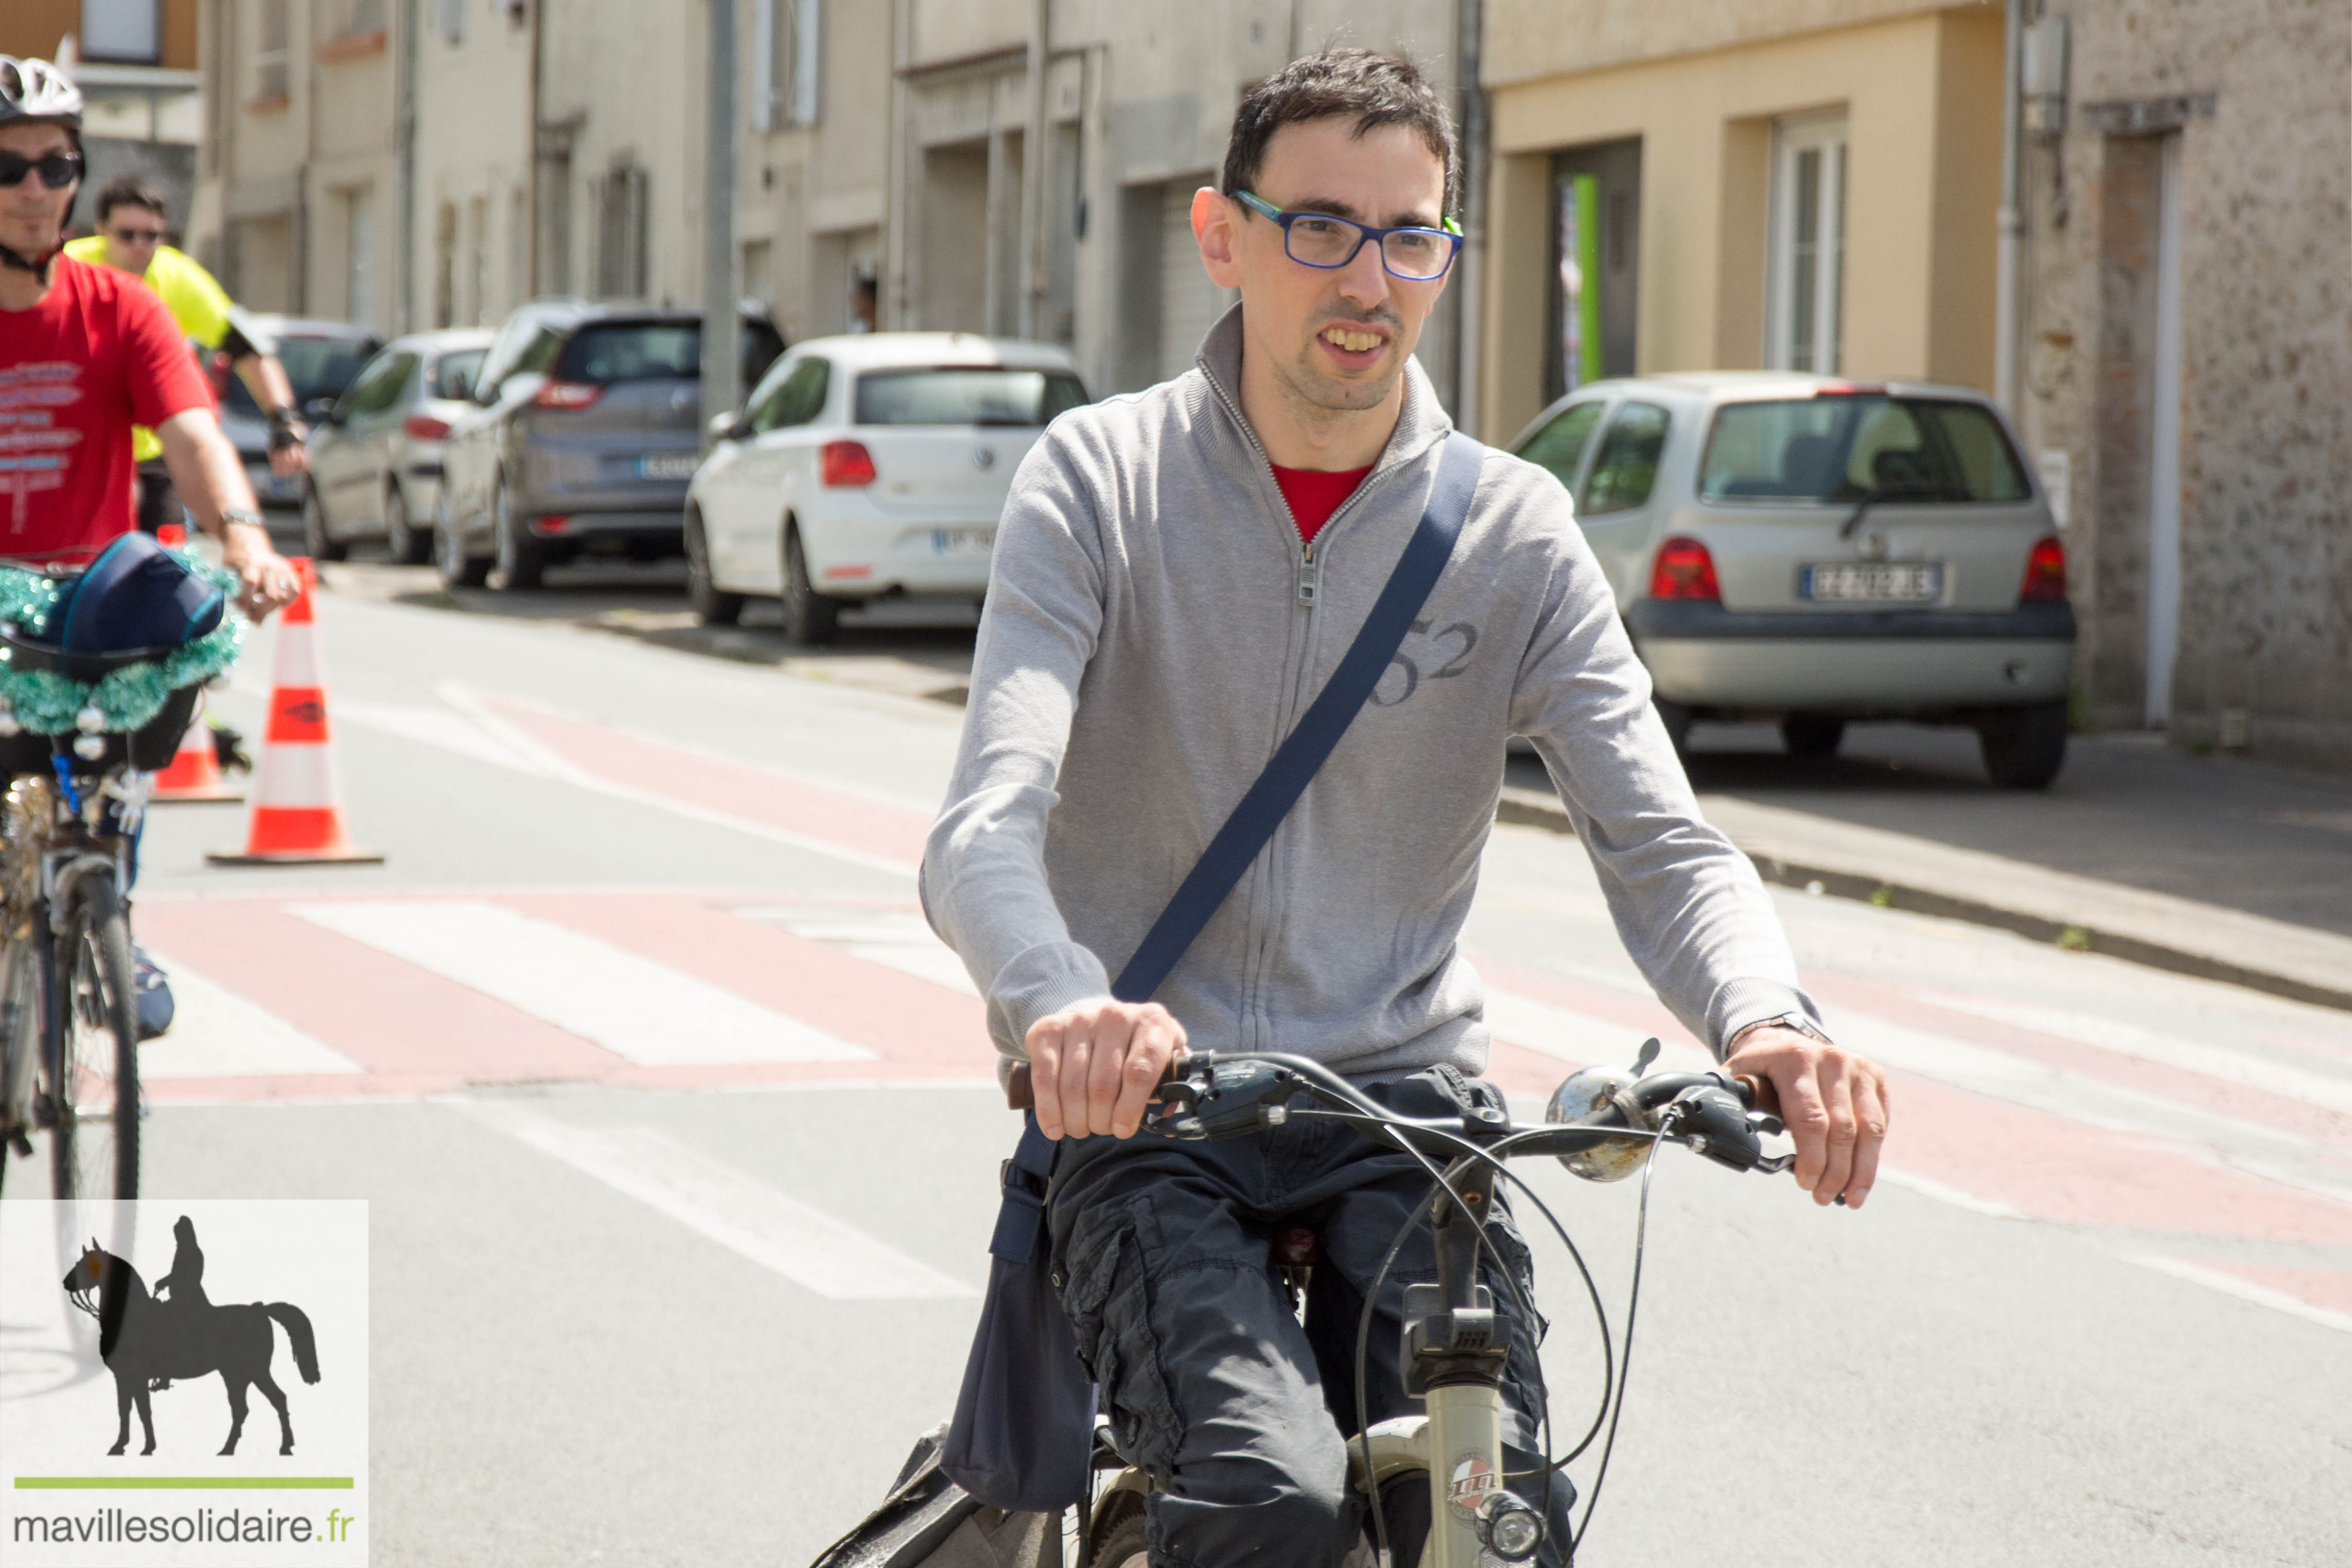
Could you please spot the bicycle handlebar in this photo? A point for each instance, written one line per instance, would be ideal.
(1228, 1094)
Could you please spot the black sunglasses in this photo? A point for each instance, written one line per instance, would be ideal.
(59, 170)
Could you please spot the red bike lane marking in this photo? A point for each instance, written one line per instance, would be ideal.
(2180, 1086)
(742, 790)
(2329, 1290)
(402, 1024)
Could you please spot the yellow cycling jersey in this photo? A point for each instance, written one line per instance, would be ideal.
(196, 301)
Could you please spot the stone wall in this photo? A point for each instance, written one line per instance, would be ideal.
(2259, 95)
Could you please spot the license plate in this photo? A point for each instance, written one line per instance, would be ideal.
(1871, 582)
(962, 541)
(669, 465)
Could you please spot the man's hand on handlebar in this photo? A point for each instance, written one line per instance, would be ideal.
(1833, 1102)
(1094, 1066)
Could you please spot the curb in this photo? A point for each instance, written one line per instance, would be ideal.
(2088, 933)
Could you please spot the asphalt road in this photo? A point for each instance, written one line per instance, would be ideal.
(679, 1137)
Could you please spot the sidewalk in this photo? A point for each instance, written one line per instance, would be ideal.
(2222, 868)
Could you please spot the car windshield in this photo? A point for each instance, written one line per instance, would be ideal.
(453, 373)
(1845, 448)
(606, 353)
(317, 367)
(945, 394)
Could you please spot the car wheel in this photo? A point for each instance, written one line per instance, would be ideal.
(711, 606)
(1677, 718)
(1812, 735)
(811, 619)
(316, 540)
(457, 568)
(402, 542)
(521, 564)
(2024, 748)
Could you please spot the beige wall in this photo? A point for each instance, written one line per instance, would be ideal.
(1922, 95)
(1545, 37)
(473, 152)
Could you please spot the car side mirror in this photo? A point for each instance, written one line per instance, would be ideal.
(727, 427)
(319, 409)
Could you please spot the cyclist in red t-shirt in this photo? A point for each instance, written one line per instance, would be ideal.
(86, 353)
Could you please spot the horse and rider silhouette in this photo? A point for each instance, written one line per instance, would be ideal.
(147, 1341)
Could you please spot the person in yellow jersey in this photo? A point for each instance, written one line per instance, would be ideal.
(132, 217)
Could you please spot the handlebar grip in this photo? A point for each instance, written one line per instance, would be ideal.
(1758, 1094)
(1020, 1093)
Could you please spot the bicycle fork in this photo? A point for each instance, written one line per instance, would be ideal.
(1456, 1345)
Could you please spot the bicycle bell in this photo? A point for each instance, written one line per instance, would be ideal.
(1602, 1096)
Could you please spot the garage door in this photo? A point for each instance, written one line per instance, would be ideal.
(1189, 303)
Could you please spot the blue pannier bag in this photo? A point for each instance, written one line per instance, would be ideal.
(136, 595)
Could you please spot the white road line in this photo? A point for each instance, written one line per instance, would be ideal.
(646, 1012)
(439, 727)
(1892, 1175)
(2288, 1083)
(810, 1248)
(2245, 1290)
(899, 941)
(216, 1033)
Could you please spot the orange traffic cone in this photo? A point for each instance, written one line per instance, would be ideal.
(194, 773)
(297, 813)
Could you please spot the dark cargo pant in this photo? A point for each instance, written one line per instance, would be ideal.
(1162, 1253)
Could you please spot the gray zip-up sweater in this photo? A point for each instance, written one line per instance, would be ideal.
(1154, 628)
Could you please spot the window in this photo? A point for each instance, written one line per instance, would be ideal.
(785, 60)
(269, 77)
(453, 373)
(1807, 269)
(363, 16)
(1559, 446)
(445, 265)
(948, 395)
(797, 398)
(317, 368)
(623, 198)
(359, 236)
(130, 31)
(1842, 449)
(609, 351)
(450, 21)
(1627, 465)
(378, 388)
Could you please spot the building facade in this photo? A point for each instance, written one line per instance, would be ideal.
(1725, 184)
(2186, 355)
(135, 62)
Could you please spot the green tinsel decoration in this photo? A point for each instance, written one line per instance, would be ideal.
(46, 702)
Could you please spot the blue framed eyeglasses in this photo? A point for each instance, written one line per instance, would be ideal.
(1321, 240)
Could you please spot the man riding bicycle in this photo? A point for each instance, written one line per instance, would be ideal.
(1176, 574)
(86, 354)
(132, 217)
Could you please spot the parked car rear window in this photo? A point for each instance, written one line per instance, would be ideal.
(317, 367)
(453, 373)
(948, 396)
(606, 353)
(1559, 446)
(1845, 448)
(1625, 469)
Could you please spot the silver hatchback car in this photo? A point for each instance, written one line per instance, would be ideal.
(1819, 551)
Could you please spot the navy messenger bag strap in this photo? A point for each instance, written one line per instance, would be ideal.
(1003, 1446)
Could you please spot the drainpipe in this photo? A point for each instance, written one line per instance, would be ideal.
(2013, 216)
(1034, 252)
(404, 301)
(1466, 284)
(532, 152)
(722, 339)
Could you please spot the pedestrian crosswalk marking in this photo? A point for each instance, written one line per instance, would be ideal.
(804, 1245)
(2245, 1290)
(898, 939)
(1580, 1038)
(216, 1033)
(644, 1012)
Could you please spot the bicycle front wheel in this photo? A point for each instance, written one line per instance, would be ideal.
(92, 1029)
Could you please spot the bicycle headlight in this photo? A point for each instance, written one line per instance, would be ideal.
(1509, 1528)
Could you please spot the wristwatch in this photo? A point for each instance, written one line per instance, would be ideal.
(241, 515)
(1795, 1021)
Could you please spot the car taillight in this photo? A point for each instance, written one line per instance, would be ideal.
(1683, 571)
(566, 394)
(424, 427)
(846, 464)
(217, 367)
(2045, 574)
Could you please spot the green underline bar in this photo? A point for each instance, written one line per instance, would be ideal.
(184, 1483)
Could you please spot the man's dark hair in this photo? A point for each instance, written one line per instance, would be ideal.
(133, 191)
(1374, 88)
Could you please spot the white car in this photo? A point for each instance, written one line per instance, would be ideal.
(1815, 550)
(375, 456)
(868, 466)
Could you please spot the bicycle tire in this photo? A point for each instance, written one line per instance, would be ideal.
(1117, 1538)
(91, 1035)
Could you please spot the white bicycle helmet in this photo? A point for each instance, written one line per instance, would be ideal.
(35, 89)
(36, 92)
